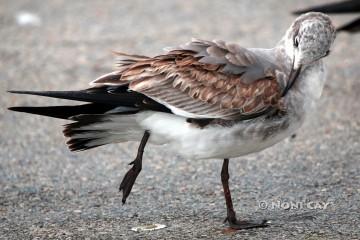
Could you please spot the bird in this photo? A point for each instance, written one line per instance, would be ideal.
(202, 100)
(344, 7)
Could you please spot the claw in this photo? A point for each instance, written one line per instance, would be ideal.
(238, 225)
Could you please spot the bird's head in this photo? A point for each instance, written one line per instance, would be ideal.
(309, 38)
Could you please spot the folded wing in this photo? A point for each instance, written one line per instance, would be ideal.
(201, 79)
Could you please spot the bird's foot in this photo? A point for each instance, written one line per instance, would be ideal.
(129, 179)
(238, 225)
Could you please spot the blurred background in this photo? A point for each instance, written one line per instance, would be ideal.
(48, 192)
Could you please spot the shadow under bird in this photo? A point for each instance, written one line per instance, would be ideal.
(343, 7)
(203, 99)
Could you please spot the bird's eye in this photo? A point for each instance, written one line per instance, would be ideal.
(296, 41)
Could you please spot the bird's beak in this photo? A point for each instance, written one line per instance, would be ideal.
(327, 53)
(295, 70)
(294, 73)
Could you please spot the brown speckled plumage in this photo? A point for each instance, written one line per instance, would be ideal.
(213, 79)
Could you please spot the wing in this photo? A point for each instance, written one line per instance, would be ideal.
(202, 79)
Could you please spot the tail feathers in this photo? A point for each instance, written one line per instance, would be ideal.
(90, 131)
(65, 112)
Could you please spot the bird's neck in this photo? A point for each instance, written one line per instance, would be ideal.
(307, 88)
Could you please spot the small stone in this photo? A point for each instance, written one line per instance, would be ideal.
(149, 227)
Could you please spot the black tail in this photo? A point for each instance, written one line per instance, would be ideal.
(88, 136)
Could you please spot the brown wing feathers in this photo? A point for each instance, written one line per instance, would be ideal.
(208, 79)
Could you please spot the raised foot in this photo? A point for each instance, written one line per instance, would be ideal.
(129, 179)
(238, 225)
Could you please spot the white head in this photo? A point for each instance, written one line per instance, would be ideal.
(309, 38)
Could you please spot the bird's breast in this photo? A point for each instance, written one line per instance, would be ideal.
(221, 141)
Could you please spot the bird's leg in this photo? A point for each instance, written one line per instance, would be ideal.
(231, 215)
(130, 177)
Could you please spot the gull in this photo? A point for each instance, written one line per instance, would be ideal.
(202, 100)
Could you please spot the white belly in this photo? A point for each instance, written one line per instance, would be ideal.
(212, 142)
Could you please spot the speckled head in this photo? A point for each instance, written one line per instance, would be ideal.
(309, 38)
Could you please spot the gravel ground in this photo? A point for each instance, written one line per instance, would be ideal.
(48, 192)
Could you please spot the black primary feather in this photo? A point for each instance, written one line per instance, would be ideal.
(101, 97)
(124, 99)
(65, 112)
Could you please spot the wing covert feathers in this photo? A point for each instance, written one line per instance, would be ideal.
(211, 79)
